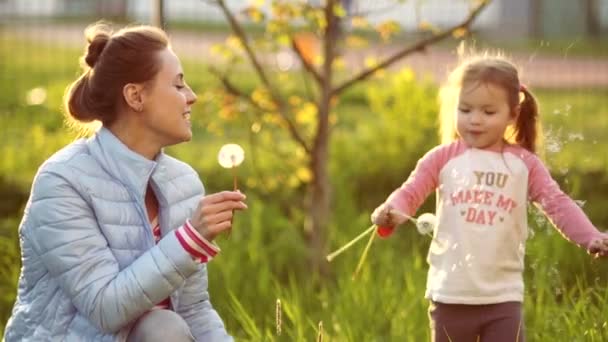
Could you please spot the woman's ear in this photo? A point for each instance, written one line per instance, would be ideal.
(133, 95)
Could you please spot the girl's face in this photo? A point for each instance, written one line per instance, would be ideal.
(168, 103)
(483, 115)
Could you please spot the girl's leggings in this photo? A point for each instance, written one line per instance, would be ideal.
(500, 322)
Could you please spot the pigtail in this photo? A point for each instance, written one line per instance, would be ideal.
(527, 125)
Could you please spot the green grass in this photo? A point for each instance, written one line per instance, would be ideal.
(265, 257)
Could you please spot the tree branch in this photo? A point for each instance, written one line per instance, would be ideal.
(282, 108)
(309, 67)
(242, 36)
(232, 89)
(418, 46)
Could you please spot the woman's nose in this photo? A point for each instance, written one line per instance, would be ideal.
(191, 98)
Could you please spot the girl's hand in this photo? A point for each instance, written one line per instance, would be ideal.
(385, 216)
(599, 247)
(214, 213)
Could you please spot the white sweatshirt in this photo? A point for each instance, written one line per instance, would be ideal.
(477, 254)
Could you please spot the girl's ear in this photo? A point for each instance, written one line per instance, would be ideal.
(133, 95)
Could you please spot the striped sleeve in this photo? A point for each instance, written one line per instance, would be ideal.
(195, 244)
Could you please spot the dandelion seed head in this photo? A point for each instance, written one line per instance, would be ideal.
(231, 155)
(426, 223)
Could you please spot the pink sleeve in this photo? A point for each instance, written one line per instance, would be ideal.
(421, 182)
(563, 212)
(194, 243)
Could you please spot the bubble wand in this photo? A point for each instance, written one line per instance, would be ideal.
(231, 156)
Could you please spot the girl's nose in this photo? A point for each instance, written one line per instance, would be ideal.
(476, 117)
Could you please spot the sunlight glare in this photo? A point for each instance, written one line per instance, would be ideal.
(36, 96)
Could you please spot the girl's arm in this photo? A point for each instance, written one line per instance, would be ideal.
(422, 181)
(563, 212)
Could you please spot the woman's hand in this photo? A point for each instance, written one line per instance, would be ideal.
(214, 213)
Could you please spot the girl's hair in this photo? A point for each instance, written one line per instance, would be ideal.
(498, 71)
(110, 61)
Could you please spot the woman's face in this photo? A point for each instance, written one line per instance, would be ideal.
(168, 103)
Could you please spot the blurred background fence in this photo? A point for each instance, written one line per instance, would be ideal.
(555, 42)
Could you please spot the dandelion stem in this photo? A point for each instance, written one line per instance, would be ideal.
(331, 256)
(364, 254)
(439, 243)
(234, 182)
(406, 216)
(235, 188)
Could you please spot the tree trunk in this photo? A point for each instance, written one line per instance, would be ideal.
(536, 18)
(592, 12)
(320, 187)
(158, 15)
(319, 206)
(114, 10)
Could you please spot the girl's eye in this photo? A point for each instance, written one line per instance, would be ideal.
(179, 86)
(464, 110)
(490, 112)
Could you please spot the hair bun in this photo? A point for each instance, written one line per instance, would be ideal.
(98, 35)
(95, 49)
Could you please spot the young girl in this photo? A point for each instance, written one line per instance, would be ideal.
(484, 175)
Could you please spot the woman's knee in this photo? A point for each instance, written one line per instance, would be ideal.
(160, 325)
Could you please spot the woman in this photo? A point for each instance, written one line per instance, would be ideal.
(116, 234)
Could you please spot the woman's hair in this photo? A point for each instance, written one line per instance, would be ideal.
(110, 61)
(498, 71)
